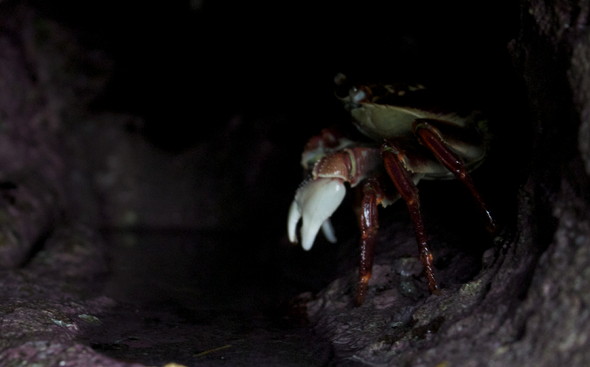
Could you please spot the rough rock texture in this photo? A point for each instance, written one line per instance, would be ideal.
(116, 250)
(42, 311)
(528, 305)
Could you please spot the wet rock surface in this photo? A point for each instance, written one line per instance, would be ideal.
(69, 308)
(101, 264)
(525, 305)
(120, 248)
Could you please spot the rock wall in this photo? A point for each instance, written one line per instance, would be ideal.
(528, 305)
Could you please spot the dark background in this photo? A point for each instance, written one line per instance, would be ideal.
(226, 94)
(197, 256)
(187, 69)
(178, 64)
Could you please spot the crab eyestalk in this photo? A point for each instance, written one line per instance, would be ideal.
(314, 203)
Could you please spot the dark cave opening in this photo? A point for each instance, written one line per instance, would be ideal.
(255, 87)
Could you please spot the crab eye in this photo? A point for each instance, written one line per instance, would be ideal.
(357, 95)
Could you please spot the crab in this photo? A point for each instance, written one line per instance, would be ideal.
(409, 139)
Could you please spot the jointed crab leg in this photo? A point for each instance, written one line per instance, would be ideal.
(395, 164)
(369, 224)
(431, 137)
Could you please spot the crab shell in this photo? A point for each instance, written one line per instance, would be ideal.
(380, 113)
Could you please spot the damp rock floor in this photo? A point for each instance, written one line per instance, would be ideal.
(165, 299)
(183, 300)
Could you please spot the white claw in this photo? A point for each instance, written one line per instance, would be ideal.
(314, 203)
(293, 219)
(328, 231)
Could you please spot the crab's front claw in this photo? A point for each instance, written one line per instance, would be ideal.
(315, 202)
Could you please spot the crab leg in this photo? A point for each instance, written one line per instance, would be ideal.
(431, 137)
(369, 224)
(395, 165)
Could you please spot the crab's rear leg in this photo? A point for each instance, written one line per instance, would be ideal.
(430, 135)
(396, 166)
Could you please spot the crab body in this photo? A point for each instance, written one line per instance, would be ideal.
(410, 141)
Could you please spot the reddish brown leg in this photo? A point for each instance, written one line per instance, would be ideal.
(369, 224)
(395, 165)
(431, 137)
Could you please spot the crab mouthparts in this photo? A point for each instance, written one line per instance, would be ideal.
(315, 202)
